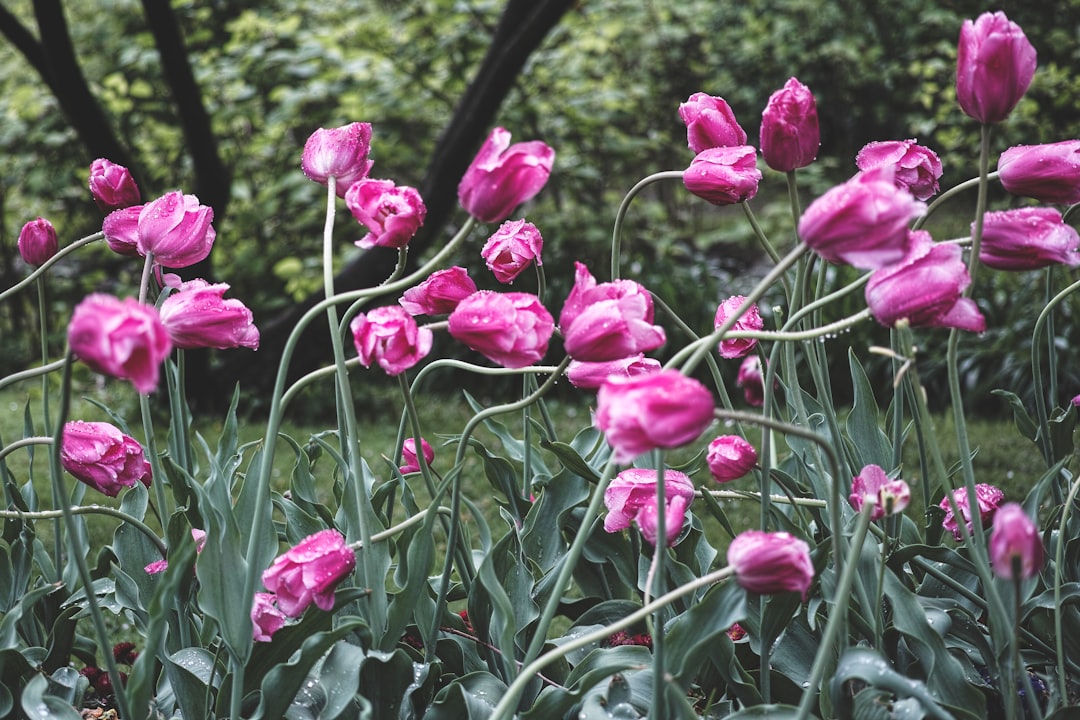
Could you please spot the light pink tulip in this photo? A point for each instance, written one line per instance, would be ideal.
(674, 516)
(631, 490)
(266, 618)
(873, 485)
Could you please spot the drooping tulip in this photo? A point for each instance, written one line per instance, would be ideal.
(101, 456)
(730, 457)
(710, 123)
(1049, 173)
(121, 338)
(503, 176)
(309, 572)
(440, 293)
(1027, 239)
(724, 175)
(197, 315)
(512, 329)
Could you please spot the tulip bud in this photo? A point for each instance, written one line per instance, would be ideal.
(411, 459)
(503, 176)
(710, 123)
(750, 320)
(1027, 239)
(512, 248)
(724, 175)
(790, 136)
(440, 293)
(512, 329)
(112, 186)
(1016, 550)
(309, 572)
(1048, 173)
(37, 241)
(104, 458)
(751, 379)
(674, 515)
(771, 562)
(995, 63)
(339, 152)
(391, 213)
(730, 457)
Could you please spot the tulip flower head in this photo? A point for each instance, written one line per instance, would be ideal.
(591, 375)
(749, 320)
(389, 336)
(1028, 238)
(925, 288)
(1048, 173)
(176, 229)
(915, 167)
(862, 222)
(391, 213)
(665, 409)
(724, 175)
(410, 458)
(266, 617)
(503, 176)
(730, 457)
(710, 123)
(790, 135)
(1016, 550)
(112, 186)
(340, 152)
(197, 315)
(874, 486)
(607, 321)
(120, 338)
(752, 381)
(631, 491)
(988, 499)
(99, 455)
(121, 230)
(674, 516)
(440, 293)
(995, 63)
(771, 562)
(511, 329)
(309, 572)
(37, 241)
(512, 248)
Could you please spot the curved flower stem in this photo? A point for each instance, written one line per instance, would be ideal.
(401, 526)
(759, 233)
(1036, 370)
(1059, 559)
(43, 268)
(89, 510)
(658, 575)
(31, 373)
(505, 708)
(354, 309)
(948, 195)
(60, 496)
(25, 442)
(43, 323)
(782, 499)
(620, 216)
(843, 593)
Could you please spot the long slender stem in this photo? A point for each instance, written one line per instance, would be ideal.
(44, 267)
(31, 373)
(620, 216)
(659, 566)
(1059, 559)
(91, 510)
(43, 326)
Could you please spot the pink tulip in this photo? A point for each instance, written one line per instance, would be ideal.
(863, 222)
(591, 375)
(1016, 550)
(389, 336)
(790, 136)
(121, 230)
(988, 498)
(750, 320)
(752, 381)
(309, 572)
(771, 562)
(410, 458)
(340, 152)
(124, 339)
(916, 168)
(197, 315)
(730, 457)
(511, 329)
(608, 321)
(1027, 239)
(512, 248)
(674, 516)
(660, 410)
(631, 490)
(266, 618)
(112, 186)
(37, 241)
(710, 123)
(104, 458)
(177, 229)
(995, 63)
(724, 175)
(503, 176)
(1049, 173)
(391, 213)
(873, 485)
(160, 566)
(925, 288)
(440, 293)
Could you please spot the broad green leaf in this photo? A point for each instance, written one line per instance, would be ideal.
(870, 667)
(556, 700)
(190, 671)
(688, 639)
(871, 446)
(1021, 419)
(39, 702)
(571, 460)
(470, 697)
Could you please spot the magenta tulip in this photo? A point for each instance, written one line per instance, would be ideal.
(863, 222)
(197, 315)
(104, 458)
(112, 186)
(511, 329)
(995, 63)
(591, 375)
(724, 175)
(440, 293)
(1048, 173)
(790, 136)
(752, 381)
(340, 152)
(771, 562)
(37, 241)
(750, 320)
(915, 167)
(710, 123)
(391, 213)
(1016, 550)
(631, 490)
(1027, 239)
(730, 457)
(410, 458)
(266, 618)
(674, 516)
(503, 176)
(176, 229)
(874, 486)
(988, 499)
(309, 572)
(925, 288)
(512, 248)
(607, 321)
(121, 230)
(660, 410)
(389, 336)
(124, 339)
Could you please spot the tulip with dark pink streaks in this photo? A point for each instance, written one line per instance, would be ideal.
(391, 213)
(1048, 173)
(771, 562)
(197, 315)
(1028, 238)
(112, 186)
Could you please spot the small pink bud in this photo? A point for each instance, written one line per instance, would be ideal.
(771, 562)
(37, 241)
(1016, 550)
(730, 457)
(410, 458)
(512, 248)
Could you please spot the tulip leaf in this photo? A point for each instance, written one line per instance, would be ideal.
(868, 666)
(470, 697)
(771, 712)
(190, 671)
(1021, 419)
(870, 444)
(556, 700)
(571, 460)
(40, 701)
(688, 639)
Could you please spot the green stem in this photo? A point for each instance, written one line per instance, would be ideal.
(31, 373)
(763, 239)
(620, 216)
(44, 333)
(1059, 560)
(948, 195)
(659, 566)
(43, 268)
(1045, 443)
(90, 510)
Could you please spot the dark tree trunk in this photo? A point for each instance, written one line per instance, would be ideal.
(522, 28)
